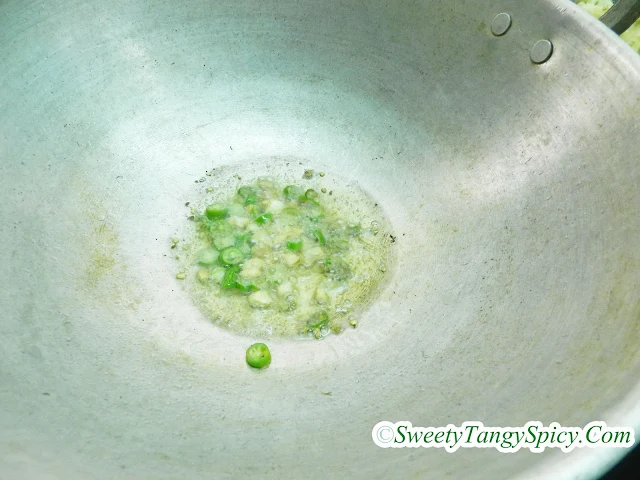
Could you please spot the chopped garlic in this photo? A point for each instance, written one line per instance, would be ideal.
(260, 299)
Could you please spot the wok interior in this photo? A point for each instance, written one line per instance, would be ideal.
(512, 190)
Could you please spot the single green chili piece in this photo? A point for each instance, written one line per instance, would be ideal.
(231, 256)
(258, 355)
(230, 277)
(292, 192)
(311, 194)
(264, 218)
(216, 210)
(243, 243)
(245, 191)
(249, 195)
(320, 237)
(295, 244)
(245, 286)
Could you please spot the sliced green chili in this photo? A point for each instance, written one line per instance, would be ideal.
(243, 243)
(264, 218)
(245, 285)
(320, 237)
(318, 320)
(231, 256)
(291, 192)
(258, 355)
(294, 244)
(311, 194)
(216, 210)
(249, 195)
(230, 277)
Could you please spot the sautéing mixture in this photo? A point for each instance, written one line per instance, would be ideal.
(277, 259)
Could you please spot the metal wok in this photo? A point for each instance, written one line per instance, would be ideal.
(512, 187)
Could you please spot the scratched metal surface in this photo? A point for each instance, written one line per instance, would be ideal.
(513, 190)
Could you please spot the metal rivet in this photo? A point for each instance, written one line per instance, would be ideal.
(541, 51)
(500, 24)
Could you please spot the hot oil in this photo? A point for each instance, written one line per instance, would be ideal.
(369, 254)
